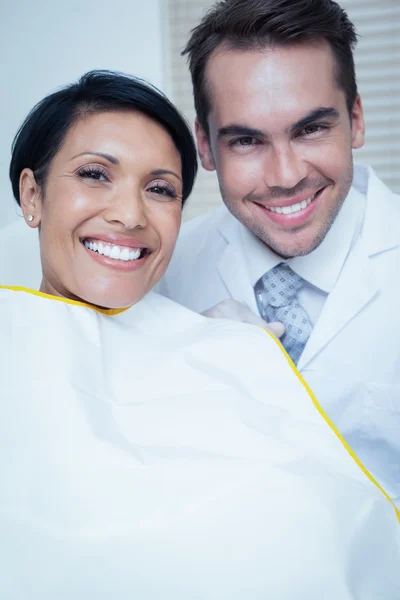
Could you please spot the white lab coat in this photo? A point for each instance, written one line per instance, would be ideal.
(158, 454)
(352, 359)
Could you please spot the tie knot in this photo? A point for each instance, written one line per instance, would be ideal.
(280, 285)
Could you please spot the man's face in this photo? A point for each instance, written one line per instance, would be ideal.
(280, 139)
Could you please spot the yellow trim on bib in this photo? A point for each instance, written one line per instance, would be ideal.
(103, 311)
(332, 426)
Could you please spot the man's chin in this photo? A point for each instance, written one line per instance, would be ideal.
(293, 247)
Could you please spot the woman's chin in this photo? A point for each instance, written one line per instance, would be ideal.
(112, 300)
(113, 297)
(105, 293)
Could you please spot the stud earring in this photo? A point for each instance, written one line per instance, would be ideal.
(30, 218)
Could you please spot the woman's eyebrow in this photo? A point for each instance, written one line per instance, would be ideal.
(115, 161)
(165, 172)
(109, 157)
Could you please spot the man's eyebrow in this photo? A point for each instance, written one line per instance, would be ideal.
(235, 129)
(108, 157)
(315, 115)
(239, 130)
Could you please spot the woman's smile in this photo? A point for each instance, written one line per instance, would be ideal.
(120, 254)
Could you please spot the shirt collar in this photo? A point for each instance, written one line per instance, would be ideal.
(320, 268)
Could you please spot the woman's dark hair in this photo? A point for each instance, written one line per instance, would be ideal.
(255, 24)
(44, 129)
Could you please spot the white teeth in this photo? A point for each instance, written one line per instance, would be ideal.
(124, 255)
(114, 252)
(287, 210)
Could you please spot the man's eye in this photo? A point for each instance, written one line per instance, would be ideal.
(243, 142)
(310, 129)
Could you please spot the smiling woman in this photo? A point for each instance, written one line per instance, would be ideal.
(148, 452)
(108, 209)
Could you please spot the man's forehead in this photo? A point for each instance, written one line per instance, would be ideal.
(254, 71)
(230, 55)
(285, 81)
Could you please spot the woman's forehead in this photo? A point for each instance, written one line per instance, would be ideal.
(122, 134)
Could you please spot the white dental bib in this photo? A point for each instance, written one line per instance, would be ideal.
(154, 454)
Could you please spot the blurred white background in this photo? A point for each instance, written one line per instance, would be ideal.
(47, 43)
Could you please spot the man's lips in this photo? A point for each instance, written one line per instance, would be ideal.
(290, 201)
(303, 207)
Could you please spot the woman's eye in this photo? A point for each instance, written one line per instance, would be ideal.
(162, 191)
(92, 173)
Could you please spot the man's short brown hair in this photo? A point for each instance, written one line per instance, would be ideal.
(255, 24)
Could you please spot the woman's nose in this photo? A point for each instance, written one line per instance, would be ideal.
(128, 210)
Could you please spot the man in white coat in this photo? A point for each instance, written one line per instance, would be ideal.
(302, 237)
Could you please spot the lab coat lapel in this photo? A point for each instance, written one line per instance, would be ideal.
(232, 266)
(357, 284)
(355, 288)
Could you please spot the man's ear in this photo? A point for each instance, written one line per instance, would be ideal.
(203, 146)
(357, 124)
(30, 198)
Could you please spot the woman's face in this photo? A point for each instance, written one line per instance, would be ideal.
(111, 209)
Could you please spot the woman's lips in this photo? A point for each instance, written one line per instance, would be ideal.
(296, 218)
(119, 258)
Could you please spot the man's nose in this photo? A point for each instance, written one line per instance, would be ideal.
(284, 168)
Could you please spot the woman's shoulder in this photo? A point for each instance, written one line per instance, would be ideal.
(166, 317)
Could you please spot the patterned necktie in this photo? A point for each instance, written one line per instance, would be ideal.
(276, 295)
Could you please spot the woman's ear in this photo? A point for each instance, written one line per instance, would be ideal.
(30, 198)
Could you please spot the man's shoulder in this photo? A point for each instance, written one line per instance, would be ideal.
(380, 229)
(206, 223)
(201, 238)
(192, 278)
(367, 181)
